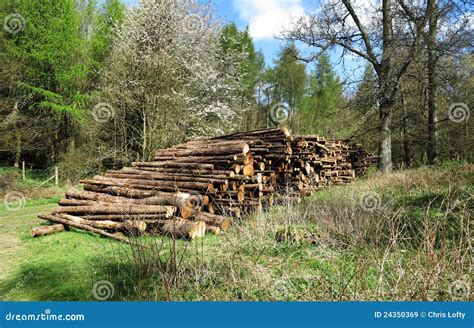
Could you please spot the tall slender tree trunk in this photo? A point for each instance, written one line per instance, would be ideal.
(404, 135)
(17, 137)
(144, 136)
(432, 150)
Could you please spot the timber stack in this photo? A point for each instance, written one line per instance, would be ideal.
(202, 185)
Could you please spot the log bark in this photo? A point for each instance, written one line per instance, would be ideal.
(106, 224)
(144, 183)
(119, 209)
(214, 219)
(46, 230)
(216, 149)
(213, 229)
(184, 229)
(174, 164)
(100, 232)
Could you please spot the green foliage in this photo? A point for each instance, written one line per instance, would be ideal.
(52, 80)
(290, 79)
(104, 28)
(233, 40)
(251, 67)
(323, 100)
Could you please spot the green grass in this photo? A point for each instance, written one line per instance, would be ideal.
(48, 268)
(249, 264)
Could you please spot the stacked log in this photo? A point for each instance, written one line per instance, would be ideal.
(196, 187)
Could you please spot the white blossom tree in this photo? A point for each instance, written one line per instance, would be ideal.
(167, 78)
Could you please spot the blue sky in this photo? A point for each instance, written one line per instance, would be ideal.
(266, 18)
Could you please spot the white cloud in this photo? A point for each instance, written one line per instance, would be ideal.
(267, 18)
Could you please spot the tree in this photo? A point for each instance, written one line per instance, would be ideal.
(338, 24)
(322, 100)
(102, 29)
(48, 88)
(290, 80)
(168, 78)
(447, 33)
(250, 64)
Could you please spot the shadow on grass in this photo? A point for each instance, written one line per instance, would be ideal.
(61, 267)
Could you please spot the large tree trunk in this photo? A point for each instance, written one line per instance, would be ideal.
(387, 87)
(432, 150)
(384, 163)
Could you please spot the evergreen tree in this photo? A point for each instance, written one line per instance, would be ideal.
(50, 84)
(250, 68)
(323, 98)
(290, 80)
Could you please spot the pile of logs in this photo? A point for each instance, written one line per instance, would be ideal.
(198, 186)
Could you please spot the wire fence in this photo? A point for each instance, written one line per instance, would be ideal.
(42, 175)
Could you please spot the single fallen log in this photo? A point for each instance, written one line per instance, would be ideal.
(125, 217)
(46, 230)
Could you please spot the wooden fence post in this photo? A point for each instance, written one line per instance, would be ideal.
(56, 176)
(23, 170)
